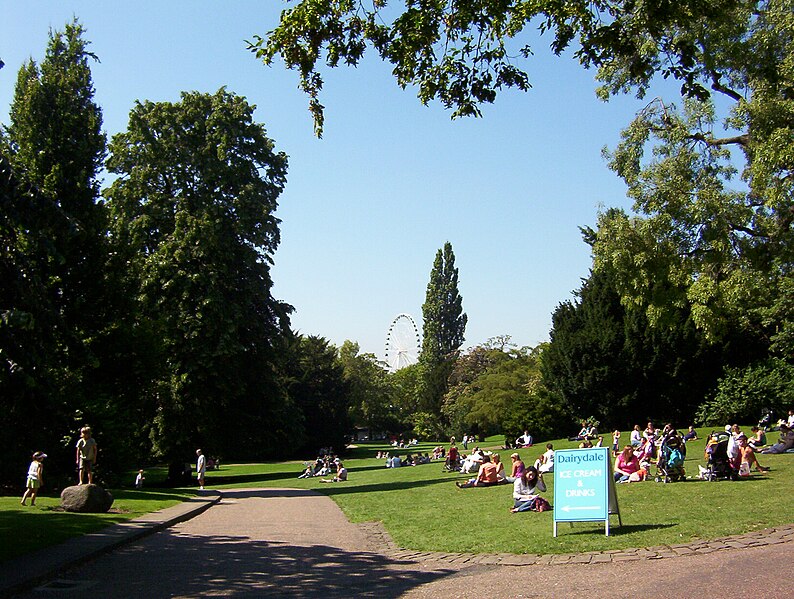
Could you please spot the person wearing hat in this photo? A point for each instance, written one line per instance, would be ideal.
(35, 478)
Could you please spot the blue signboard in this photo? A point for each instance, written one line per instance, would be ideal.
(584, 489)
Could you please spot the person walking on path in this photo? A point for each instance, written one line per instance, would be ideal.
(86, 456)
(201, 468)
(35, 478)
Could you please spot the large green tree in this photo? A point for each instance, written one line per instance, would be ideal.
(193, 212)
(53, 149)
(443, 329)
(316, 382)
(370, 390)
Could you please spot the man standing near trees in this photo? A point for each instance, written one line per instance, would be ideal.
(201, 468)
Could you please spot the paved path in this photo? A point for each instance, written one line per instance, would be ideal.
(297, 543)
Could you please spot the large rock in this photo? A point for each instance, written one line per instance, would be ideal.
(86, 498)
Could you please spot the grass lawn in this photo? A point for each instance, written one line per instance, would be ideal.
(423, 509)
(26, 528)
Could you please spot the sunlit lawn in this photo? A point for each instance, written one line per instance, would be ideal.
(423, 509)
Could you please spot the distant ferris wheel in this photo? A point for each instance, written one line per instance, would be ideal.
(402, 343)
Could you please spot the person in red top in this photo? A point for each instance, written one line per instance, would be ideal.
(486, 476)
(453, 459)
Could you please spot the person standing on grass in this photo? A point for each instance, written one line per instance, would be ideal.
(201, 468)
(35, 478)
(86, 456)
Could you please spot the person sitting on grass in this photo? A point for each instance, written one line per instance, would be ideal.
(517, 468)
(545, 463)
(526, 488)
(758, 440)
(786, 441)
(486, 475)
(691, 435)
(582, 433)
(341, 475)
(501, 477)
(626, 464)
(747, 456)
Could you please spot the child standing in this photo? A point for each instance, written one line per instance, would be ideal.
(35, 478)
(86, 456)
(139, 479)
(615, 443)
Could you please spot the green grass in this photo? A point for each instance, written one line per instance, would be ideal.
(27, 528)
(423, 509)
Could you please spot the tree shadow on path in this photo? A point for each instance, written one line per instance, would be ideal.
(177, 564)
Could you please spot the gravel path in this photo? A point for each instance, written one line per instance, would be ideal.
(297, 543)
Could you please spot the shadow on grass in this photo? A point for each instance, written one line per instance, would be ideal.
(345, 488)
(220, 565)
(615, 530)
(24, 531)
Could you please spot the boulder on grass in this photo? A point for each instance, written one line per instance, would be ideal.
(86, 498)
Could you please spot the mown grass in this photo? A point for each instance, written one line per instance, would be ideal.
(423, 509)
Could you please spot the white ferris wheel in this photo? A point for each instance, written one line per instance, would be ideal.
(402, 343)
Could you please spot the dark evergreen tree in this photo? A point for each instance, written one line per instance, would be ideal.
(54, 144)
(607, 362)
(315, 382)
(444, 329)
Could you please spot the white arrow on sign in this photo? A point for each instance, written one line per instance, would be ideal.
(568, 508)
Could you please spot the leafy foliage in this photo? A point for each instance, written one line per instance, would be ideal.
(744, 393)
(193, 213)
(315, 381)
(463, 52)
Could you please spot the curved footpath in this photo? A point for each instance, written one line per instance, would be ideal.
(298, 543)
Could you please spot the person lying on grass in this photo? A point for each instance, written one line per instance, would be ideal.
(486, 476)
(526, 488)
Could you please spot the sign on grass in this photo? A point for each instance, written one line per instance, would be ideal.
(584, 489)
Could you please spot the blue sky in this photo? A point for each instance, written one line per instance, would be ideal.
(367, 207)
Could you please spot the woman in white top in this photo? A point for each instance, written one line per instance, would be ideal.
(525, 489)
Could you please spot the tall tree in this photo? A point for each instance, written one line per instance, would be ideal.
(316, 383)
(370, 389)
(443, 329)
(194, 211)
(54, 144)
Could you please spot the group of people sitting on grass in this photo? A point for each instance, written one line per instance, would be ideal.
(325, 463)
(395, 461)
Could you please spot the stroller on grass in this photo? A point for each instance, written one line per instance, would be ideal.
(670, 463)
(718, 465)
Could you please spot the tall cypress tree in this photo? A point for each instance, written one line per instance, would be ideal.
(444, 329)
(55, 146)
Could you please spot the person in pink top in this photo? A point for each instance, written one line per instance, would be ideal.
(626, 464)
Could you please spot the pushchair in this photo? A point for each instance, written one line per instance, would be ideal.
(670, 463)
(719, 466)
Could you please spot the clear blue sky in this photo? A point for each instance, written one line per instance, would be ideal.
(367, 207)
